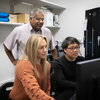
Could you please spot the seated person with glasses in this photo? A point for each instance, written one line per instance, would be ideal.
(64, 70)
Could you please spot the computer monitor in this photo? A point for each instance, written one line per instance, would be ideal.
(88, 79)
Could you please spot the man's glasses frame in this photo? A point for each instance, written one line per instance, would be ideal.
(73, 48)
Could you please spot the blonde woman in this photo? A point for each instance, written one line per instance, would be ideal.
(32, 72)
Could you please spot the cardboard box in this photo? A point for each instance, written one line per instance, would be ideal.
(12, 18)
(23, 18)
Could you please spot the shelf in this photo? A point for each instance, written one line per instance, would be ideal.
(48, 4)
(51, 5)
(37, 3)
(10, 23)
(55, 27)
(17, 24)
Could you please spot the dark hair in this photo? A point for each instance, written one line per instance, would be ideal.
(69, 40)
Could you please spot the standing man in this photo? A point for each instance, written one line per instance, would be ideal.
(20, 35)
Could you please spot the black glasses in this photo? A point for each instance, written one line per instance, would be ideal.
(38, 19)
(73, 48)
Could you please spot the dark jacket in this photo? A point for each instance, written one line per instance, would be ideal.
(65, 77)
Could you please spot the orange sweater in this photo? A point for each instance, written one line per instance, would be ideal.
(27, 86)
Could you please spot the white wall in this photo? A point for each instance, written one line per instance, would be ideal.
(6, 67)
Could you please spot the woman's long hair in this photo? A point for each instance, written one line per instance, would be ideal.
(31, 52)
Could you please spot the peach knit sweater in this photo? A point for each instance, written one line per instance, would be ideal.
(27, 86)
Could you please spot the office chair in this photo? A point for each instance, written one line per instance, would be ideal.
(52, 80)
(5, 90)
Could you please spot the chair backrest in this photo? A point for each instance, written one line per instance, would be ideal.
(5, 90)
(52, 80)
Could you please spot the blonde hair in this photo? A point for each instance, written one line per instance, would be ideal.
(31, 49)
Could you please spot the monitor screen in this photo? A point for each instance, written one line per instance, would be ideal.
(88, 78)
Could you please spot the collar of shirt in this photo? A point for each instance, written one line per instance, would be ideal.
(33, 31)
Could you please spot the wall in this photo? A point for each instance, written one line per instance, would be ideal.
(73, 18)
(7, 69)
(5, 6)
